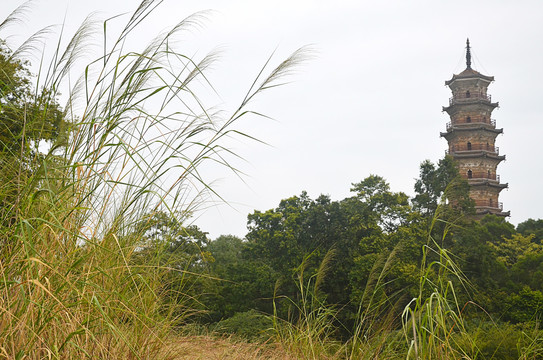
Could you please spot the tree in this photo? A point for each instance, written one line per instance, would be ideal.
(14, 77)
(439, 185)
(532, 226)
(27, 118)
(355, 231)
(181, 247)
(278, 236)
(379, 205)
(225, 250)
(303, 230)
(237, 283)
(510, 250)
(180, 252)
(388, 255)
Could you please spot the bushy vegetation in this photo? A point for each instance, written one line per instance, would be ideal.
(250, 325)
(379, 275)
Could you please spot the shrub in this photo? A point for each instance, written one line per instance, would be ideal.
(250, 325)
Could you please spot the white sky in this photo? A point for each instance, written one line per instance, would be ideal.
(368, 103)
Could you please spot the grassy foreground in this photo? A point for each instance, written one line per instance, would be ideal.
(130, 141)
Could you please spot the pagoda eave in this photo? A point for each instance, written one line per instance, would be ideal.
(469, 73)
(455, 128)
(480, 211)
(487, 182)
(477, 76)
(451, 108)
(477, 154)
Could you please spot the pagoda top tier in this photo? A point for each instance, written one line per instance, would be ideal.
(469, 73)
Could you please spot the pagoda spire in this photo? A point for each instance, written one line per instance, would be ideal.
(468, 55)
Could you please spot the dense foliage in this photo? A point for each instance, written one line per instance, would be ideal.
(364, 257)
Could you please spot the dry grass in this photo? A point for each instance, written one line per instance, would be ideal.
(214, 348)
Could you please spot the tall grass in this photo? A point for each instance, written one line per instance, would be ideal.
(431, 326)
(309, 331)
(373, 336)
(135, 139)
(432, 322)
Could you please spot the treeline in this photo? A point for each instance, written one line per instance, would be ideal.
(365, 252)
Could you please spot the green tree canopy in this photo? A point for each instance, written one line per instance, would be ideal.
(27, 116)
(532, 226)
(441, 184)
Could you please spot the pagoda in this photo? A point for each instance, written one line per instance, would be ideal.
(471, 135)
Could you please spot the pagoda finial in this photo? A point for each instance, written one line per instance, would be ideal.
(468, 55)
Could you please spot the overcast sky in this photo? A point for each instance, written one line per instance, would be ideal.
(369, 102)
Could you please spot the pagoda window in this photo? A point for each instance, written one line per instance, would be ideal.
(470, 174)
(469, 145)
(490, 202)
(468, 94)
(468, 119)
(489, 174)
